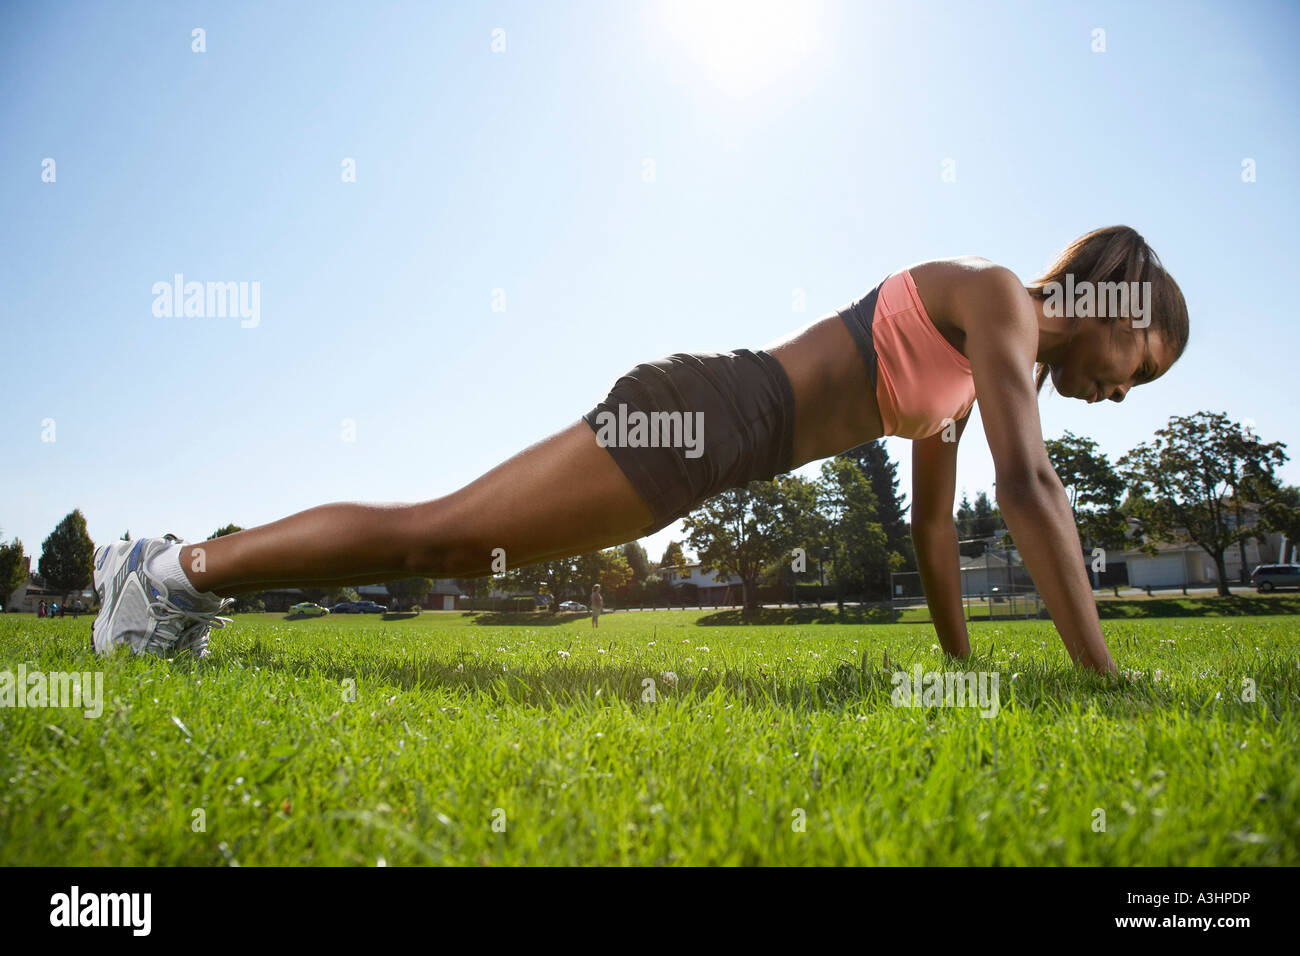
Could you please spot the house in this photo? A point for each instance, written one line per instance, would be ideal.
(1186, 564)
(1002, 570)
(28, 595)
(713, 587)
(443, 596)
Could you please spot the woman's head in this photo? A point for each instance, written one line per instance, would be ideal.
(595, 587)
(1127, 315)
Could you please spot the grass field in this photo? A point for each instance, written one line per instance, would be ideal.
(442, 739)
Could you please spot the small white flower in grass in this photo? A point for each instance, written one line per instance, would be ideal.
(563, 655)
(702, 648)
(934, 647)
(651, 644)
(601, 651)
(1015, 675)
(669, 678)
(460, 668)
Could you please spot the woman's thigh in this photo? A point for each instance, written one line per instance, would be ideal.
(564, 495)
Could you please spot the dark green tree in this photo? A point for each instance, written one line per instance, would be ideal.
(67, 555)
(746, 530)
(1188, 484)
(13, 569)
(407, 592)
(1094, 488)
(847, 522)
(874, 461)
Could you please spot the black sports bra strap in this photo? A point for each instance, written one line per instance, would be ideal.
(858, 317)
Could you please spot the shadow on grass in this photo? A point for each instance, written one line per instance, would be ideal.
(737, 617)
(524, 618)
(1238, 605)
(400, 615)
(864, 685)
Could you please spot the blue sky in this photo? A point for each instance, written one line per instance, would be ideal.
(797, 147)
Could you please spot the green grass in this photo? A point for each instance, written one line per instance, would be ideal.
(456, 724)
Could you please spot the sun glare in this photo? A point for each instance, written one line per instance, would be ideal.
(744, 45)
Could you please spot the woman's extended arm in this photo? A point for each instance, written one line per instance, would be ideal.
(1002, 344)
(934, 533)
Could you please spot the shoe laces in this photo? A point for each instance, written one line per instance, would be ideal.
(167, 614)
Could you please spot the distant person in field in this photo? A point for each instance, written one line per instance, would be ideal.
(597, 605)
(40, 609)
(909, 359)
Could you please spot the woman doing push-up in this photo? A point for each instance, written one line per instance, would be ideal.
(908, 359)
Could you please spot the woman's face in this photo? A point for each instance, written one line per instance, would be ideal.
(1106, 359)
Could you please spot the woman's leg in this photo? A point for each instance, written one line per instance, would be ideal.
(563, 496)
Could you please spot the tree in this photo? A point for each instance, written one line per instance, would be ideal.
(67, 554)
(546, 577)
(985, 520)
(1189, 483)
(673, 559)
(479, 589)
(855, 539)
(965, 522)
(341, 595)
(874, 462)
(406, 592)
(1094, 489)
(608, 568)
(1280, 511)
(638, 561)
(13, 568)
(744, 530)
(222, 532)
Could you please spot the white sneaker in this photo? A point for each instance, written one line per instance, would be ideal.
(140, 610)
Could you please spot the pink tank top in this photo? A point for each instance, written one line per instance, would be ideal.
(922, 380)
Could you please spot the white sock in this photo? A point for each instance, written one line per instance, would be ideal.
(166, 567)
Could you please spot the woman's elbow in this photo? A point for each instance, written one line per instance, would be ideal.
(1027, 489)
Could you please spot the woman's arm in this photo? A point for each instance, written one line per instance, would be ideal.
(1002, 344)
(934, 533)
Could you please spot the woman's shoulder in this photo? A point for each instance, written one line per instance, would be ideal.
(944, 285)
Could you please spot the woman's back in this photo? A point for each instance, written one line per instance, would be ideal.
(836, 405)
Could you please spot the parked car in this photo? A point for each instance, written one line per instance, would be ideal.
(308, 609)
(572, 606)
(369, 607)
(1266, 577)
(344, 607)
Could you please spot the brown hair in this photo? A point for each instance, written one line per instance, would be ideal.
(1120, 254)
